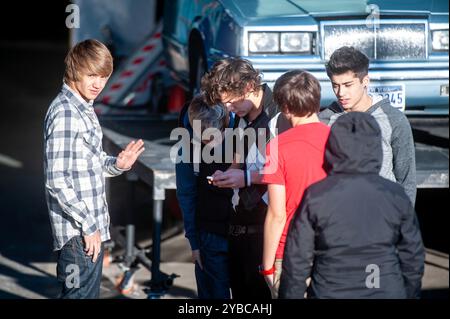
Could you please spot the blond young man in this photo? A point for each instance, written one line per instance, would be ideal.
(75, 167)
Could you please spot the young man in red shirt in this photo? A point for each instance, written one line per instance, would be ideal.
(294, 162)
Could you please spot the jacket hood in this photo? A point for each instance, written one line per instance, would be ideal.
(354, 145)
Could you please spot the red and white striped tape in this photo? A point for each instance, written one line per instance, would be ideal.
(140, 93)
(134, 77)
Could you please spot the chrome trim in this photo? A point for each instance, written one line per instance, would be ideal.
(393, 75)
(438, 26)
(277, 62)
(363, 22)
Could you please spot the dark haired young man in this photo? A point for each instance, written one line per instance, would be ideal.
(348, 72)
(234, 83)
(210, 221)
(294, 161)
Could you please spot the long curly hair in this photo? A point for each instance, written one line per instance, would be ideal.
(232, 76)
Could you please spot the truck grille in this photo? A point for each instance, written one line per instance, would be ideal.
(385, 41)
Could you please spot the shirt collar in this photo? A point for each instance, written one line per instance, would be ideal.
(267, 105)
(76, 99)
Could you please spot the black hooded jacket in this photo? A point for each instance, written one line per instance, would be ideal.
(355, 233)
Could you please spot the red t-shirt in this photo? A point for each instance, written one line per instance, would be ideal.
(301, 152)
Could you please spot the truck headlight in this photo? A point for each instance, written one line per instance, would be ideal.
(263, 42)
(440, 40)
(280, 42)
(296, 42)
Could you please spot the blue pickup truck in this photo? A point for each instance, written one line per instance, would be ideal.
(407, 42)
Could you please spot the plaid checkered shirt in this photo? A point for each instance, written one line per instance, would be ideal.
(75, 168)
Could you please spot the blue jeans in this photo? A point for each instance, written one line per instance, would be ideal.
(79, 277)
(213, 280)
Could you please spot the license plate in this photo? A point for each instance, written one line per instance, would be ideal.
(395, 94)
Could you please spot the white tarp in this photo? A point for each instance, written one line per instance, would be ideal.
(125, 23)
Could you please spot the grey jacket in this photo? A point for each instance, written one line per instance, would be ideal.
(399, 160)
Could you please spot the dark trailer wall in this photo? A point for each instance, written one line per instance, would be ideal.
(33, 42)
(33, 21)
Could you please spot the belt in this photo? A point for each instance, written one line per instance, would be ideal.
(238, 230)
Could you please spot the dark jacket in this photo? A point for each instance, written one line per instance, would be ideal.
(187, 180)
(213, 203)
(251, 208)
(352, 224)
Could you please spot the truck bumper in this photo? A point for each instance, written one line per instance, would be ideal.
(426, 89)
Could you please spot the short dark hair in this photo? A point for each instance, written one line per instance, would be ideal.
(347, 59)
(231, 76)
(297, 92)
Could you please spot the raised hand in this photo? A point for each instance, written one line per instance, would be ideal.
(129, 155)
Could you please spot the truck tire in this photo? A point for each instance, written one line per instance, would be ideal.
(197, 67)
(157, 95)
